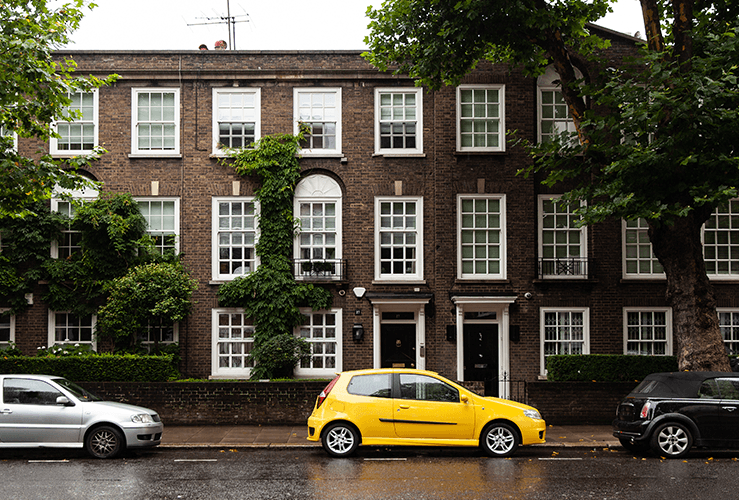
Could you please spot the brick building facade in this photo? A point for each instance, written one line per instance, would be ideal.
(412, 214)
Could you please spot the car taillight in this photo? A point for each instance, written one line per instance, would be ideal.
(645, 410)
(325, 392)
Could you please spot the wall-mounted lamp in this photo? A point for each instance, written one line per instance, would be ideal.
(359, 292)
(358, 332)
(451, 333)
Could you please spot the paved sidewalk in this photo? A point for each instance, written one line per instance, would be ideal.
(277, 436)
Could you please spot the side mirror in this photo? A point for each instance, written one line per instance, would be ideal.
(64, 401)
(464, 398)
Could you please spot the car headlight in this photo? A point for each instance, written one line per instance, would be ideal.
(532, 414)
(142, 418)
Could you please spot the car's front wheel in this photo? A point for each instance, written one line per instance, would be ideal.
(340, 439)
(499, 440)
(104, 442)
(671, 440)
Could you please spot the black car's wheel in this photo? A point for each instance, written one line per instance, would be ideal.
(634, 446)
(340, 439)
(499, 440)
(671, 440)
(104, 442)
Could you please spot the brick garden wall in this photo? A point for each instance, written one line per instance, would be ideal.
(290, 403)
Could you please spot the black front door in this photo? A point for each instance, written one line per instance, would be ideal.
(398, 346)
(481, 355)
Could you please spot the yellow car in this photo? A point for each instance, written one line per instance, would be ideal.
(417, 408)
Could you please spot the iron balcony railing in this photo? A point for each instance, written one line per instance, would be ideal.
(320, 269)
(569, 267)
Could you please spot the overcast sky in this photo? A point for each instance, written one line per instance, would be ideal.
(262, 25)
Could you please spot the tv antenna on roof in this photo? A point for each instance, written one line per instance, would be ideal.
(227, 19)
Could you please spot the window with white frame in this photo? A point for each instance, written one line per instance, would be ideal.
(162, 222)
(236, 118)
(480, 118)
(728, 320)
(554, 114)
(7, 328)
(639, 260)
(232, 341)
(721, 242)
(399, 238)
(564, 331)
(4, 132)
(318, 242)
(234, 237)
(562, 244)
(648, 332)
(320, 110)
(79, 135)
(481, 239)
(70, 239)
(322, 330)
(398, 121)
(155, 122)
(158, 333)
(68, 328)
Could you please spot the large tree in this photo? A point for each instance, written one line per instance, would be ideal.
(656, 140)
(34, 90)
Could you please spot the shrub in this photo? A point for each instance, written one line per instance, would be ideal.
(606, 367)
(95, 367)
(278, 356)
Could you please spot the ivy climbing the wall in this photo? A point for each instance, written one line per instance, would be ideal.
(270, 295)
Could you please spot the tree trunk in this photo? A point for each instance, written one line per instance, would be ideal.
(697, 339)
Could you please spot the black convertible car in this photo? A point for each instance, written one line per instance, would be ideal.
(671, 412)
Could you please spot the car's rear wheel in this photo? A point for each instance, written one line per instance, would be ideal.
(499, 440)
(671, 440)
(634, 446)
(104, 442)
(340, 439)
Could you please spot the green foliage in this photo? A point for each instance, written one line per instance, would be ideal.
(278, 356)
(606, 367)
(33, 93)
(10, 351)
(270, 295)
(96, 368)
(65, 350)
(147, 294)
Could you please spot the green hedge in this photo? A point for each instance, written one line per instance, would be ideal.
(97, 368)
(606, 367)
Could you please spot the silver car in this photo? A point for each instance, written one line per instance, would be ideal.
(43, 411)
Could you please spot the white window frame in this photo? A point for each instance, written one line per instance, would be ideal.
(218, 372)
(319, 188)
(257, 93)
(175, 121)
(732, 329)
(215, 256)
(668, 329)
(728, 245)
(150, 343)
(639, 229)
(320, 152)
(79, 195)
(461, 244)
(418, 150)
(301, 372)
(390, 277)
(6, 133)
(160, 232)
(95, 122)
(500, 118)
(11, 326)
(549, 82)
(52, 331)
(585, 311)
(583, 243)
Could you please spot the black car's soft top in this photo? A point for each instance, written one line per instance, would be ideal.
(675, 384)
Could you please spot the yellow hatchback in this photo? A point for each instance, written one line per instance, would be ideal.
(417, 408)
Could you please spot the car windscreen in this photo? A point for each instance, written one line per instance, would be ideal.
(79, 392)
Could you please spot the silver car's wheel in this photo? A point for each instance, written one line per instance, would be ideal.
(104, 442)
(671, 440)
(499, 440)
(340, 440)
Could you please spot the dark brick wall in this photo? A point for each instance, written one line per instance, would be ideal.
(563, 403)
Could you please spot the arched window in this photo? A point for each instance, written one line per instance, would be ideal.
(318, 243)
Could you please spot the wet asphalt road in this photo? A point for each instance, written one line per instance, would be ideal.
(417, 474)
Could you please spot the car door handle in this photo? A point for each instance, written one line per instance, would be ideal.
(6, 411)
(404, 407)
(728, 408)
